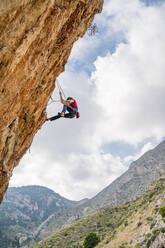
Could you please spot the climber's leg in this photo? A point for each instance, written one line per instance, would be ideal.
(54, 118)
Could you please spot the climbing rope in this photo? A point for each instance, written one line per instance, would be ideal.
(61, 90)
(52, 100)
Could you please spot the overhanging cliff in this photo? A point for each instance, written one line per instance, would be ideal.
(36, 38)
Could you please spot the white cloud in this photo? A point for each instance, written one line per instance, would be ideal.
(129, 159)
(130, 82)
(82, 174)
(82, 48)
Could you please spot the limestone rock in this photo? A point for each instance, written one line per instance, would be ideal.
(36, 38)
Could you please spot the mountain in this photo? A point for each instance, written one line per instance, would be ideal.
(128, 186)
(24, 211)
(138, 224)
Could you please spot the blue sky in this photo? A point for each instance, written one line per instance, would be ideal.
(152, 2)
(117, 77)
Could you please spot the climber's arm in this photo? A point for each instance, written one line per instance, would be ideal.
(62, 100)
(66, 102)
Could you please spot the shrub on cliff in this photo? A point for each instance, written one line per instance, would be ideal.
(162, 211)
(91, 240)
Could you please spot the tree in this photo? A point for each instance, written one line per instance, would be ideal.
(92, 30)
(91, 240)
(162, 211)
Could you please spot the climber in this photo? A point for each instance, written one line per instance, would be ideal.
(70, 105)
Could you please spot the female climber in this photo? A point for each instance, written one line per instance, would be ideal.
(70, 106)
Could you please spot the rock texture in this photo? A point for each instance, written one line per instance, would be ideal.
(36, 38)
(146, 227)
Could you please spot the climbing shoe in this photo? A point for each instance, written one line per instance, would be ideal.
(62, 114)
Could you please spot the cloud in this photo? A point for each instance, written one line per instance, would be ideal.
(82, 174)
(82, 48)
(130, 82)
(146, 147)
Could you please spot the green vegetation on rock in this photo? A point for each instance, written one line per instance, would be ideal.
(109, 222)
(162, 211)
(91, 240)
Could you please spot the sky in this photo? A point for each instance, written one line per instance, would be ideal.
(117, 77)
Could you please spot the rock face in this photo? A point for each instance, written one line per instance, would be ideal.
(36, 37)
